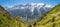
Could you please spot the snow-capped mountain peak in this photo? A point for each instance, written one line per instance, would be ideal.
(33, 10)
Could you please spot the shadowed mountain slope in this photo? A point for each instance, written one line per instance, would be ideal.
(6, 20)
(50, 19)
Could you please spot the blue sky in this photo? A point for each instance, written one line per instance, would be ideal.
(17, 2)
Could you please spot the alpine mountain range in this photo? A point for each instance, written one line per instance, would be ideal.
(29, 12)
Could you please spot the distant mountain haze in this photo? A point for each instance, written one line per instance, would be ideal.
(29, 12)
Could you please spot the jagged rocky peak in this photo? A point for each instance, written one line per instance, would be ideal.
(30, 11)
(34, 4)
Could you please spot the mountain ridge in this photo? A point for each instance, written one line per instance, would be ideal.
(50, 19)
(30, 10)
(6, 20)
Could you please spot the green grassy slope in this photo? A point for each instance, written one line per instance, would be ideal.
(50, 19)
(6, 20)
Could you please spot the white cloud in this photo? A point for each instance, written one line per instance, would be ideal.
(40, 3)
(48, 5)
(33, 3)
(37, 3)
(22, 7)
(9, 6)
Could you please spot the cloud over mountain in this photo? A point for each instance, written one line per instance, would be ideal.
(30, 11)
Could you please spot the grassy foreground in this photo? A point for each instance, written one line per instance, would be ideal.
(50, 19)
